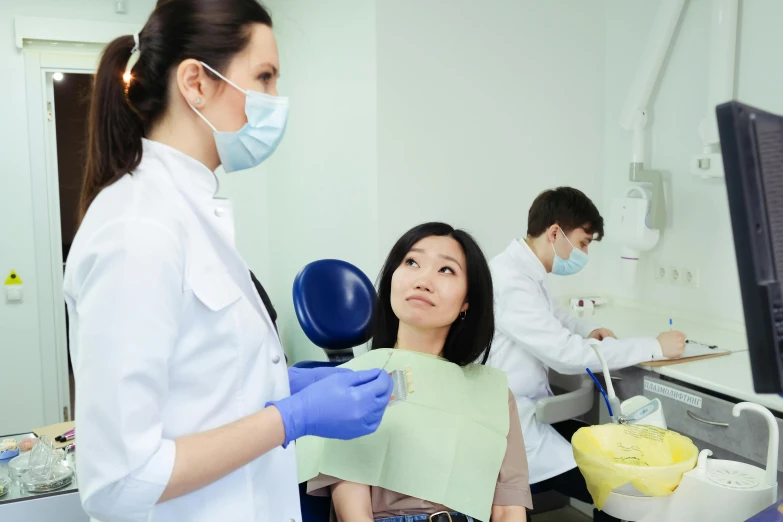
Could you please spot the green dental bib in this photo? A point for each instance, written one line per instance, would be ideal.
(444, 444)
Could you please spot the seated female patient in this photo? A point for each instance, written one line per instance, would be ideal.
(435, 298)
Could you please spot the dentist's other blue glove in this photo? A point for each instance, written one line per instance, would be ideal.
(301, 378)
(345, 405)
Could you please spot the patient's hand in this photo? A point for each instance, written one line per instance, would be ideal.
(352, 502)
(508, 514)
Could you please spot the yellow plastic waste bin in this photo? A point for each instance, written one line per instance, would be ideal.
(652, 459)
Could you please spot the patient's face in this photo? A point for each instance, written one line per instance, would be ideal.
(429, 288)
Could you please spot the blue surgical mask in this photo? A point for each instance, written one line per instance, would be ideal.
(576, 261)
(249, 146)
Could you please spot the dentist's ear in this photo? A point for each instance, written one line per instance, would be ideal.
(551, 233)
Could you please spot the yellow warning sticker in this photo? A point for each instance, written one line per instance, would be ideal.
(13, 279)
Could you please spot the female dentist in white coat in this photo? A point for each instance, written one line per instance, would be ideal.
(534, 334)
(185, 409)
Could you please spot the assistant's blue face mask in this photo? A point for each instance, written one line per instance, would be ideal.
(248, 147)
(576, 261)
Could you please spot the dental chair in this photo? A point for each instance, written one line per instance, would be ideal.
(334, 303)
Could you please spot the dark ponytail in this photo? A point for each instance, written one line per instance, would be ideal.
(121, 113)
(115, 130)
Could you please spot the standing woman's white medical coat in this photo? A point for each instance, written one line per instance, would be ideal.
(533, 334)
(169, 337)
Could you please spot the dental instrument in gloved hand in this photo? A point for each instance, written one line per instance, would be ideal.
(345, 405)
(301, 378)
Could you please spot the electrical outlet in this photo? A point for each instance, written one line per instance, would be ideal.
(661, 273)
(675, 275)
(690, 277)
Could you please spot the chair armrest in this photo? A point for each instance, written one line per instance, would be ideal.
(558, 408)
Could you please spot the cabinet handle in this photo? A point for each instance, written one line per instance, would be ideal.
(705, 421)
(616, 378)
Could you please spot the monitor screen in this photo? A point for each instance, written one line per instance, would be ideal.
(752, 146)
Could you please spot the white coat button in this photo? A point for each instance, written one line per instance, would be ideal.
(292, 520)
(276, 359)
(219, 212)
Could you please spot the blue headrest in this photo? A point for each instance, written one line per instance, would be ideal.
(334, 303)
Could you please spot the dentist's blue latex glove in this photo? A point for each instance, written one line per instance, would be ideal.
(345, 405)
(301, 378)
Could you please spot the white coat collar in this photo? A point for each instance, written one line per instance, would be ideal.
(526, 259)
(188, 174)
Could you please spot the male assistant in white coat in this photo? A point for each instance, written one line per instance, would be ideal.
(533, 334)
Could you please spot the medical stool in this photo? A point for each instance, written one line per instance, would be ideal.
(334, 303)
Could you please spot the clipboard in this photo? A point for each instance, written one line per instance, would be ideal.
(55, 430)
(694, 351)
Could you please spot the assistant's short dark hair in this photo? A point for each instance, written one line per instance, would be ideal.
(468, 339)
(567, 207)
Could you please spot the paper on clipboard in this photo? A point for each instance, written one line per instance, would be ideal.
(693, 351)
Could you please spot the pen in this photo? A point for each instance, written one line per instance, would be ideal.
(68, 435)
(670, 324)
(710, 346)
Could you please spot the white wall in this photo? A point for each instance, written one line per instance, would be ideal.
(481, 106)
(474, 112)
(322, 182)
(698, 234)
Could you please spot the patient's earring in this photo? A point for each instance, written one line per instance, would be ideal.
(198, 101)
(463, 314)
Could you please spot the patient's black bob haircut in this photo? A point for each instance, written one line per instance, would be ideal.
(469, 339)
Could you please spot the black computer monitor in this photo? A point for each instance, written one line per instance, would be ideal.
(752, 145)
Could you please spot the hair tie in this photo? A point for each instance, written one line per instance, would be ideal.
(136, 46)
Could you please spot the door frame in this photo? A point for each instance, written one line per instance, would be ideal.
(40, 63)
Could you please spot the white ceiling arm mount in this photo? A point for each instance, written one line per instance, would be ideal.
(635, 113)
(720, 88)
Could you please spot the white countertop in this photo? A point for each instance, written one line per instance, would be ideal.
(728, 375)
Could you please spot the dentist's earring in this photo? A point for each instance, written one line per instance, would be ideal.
(463, 315)
(199, 101)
